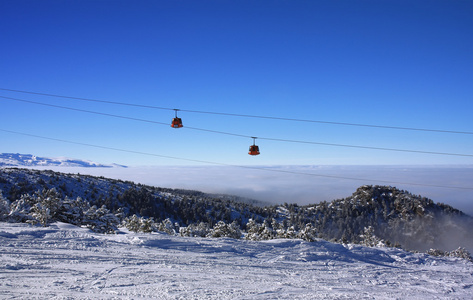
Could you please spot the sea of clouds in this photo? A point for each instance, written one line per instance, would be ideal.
(301, 184)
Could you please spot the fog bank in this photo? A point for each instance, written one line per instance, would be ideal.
(301, 184)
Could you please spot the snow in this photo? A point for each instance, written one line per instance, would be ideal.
(67, 262)
(28, 160)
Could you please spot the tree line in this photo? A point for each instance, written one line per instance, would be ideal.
(373, 215)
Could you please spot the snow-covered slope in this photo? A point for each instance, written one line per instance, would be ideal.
(396, 217)
(16, 159)
(67, 262)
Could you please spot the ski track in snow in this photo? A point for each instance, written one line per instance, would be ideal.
(67, 262)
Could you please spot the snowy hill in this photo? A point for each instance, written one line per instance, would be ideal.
(182, 206)
(372, 215)
(16, 160)
(396, 216)
(67, 262)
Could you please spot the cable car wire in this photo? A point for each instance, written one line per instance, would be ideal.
(88, 99)
(247, 115)
(230, 165)
(241, 135)
(84, 110)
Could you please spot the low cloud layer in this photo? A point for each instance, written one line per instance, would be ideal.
(292, 184)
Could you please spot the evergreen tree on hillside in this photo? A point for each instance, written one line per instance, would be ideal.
(46, 207)
(20, 209)
(225, 230)
(72, 211)
(308, 233)
(195, 230)
(139, 224)
(4, 207)
(101, 220)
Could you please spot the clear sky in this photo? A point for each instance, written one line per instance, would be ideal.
(390, 63)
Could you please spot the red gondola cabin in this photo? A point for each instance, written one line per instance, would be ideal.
(254, 150)
(176, 123)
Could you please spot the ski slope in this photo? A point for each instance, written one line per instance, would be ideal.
(67, 262)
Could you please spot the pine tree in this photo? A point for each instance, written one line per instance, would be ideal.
(225, 230)
(101, 220)
(132, 223)
(195, 230)
(253, 230)
(167, 226)
(72, 211)
(308, 233)
(140, 224)
(46, 207)
(20, 209)
(4, 207)
(369, 238)
(267, 233)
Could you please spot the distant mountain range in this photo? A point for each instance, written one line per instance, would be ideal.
(28, 160)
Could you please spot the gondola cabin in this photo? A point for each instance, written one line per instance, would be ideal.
(254, 150)
(176, 123)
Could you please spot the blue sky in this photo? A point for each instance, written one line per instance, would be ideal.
(392, 63)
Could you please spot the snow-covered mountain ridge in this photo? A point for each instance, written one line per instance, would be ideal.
(371, 215)
(18, 160)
